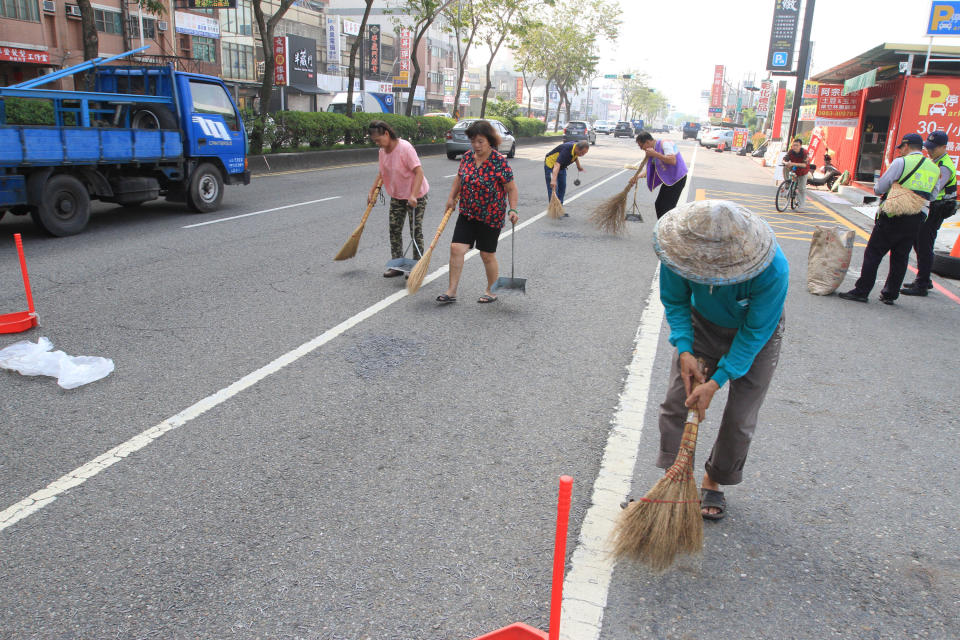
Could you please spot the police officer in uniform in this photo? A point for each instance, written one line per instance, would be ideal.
(896, 234)
(942, 208)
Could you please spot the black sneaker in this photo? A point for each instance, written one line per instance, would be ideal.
(852, 295)
(913, 290)
(885, 299)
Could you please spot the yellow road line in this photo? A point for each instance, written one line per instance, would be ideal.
(701, 194)
(836, 216)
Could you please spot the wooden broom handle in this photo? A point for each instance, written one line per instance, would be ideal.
(443, 223)
(366, 213)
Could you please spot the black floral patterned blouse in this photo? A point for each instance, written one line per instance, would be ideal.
(483, 193)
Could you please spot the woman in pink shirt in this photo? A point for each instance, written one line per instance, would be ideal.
(403, 179)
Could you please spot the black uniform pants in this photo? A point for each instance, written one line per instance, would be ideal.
(940, 210)
(669, 196)
(895, 235)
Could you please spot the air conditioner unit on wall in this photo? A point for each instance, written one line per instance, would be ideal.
(162, 25)
(73, 10)
(49, 6)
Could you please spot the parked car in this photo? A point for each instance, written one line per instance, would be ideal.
(457, 141)
(716, 136)
(702, 133)
(690, 130)
(577, 130)
(623, 128)
(604, 126)
(438, 114)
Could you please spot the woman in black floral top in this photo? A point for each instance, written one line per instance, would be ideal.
(484, 183)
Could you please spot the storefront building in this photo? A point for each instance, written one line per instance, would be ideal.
(867, 104)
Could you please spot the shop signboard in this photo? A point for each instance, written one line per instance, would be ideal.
(519, 90)
(16, 54)
(783, 35)
(835, 109)
(280, 60)
(808, 112)
(301, 62)
(740, 138)
(932, 104)
(766, 89)
(193, 25)
(810, 89)
(716, 91)
(944, 19)
(351, 28)
(211, 4)
(816, 141)
(333, 44)
(373, 44)
(402, 79)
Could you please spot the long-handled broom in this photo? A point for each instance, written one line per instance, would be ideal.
(610, 216)
(667, 520)
(349, 248)
(555, 208)
(419, 271)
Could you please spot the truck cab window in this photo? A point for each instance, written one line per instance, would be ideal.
(212, 99)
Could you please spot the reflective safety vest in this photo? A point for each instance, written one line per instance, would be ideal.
(924, 179)
(949, 189)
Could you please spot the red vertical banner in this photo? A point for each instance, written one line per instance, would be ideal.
(519, 90)
(280, 60)
(816, 140)
(716, 92)
(778, 111)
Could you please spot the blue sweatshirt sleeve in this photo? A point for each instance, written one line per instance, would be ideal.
(768, 293)
(675, 295)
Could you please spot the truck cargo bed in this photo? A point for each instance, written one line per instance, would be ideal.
(53, 146)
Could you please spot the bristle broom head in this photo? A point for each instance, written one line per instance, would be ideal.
(419, 272)
(555, 209)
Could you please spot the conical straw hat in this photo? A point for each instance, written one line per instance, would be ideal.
(714, 242)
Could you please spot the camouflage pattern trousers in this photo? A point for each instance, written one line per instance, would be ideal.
(399, 212)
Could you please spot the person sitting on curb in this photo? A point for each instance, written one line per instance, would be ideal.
(895, 234)
(723, 284)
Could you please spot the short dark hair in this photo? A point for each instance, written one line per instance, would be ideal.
(827, 157)
(381, 128)
(800, 140)
(644, 136)
(485, 129)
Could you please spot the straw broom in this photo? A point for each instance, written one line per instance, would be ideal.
(555, 208)
(667, 520)
(419, 271)
(349, 248)
(610, 216)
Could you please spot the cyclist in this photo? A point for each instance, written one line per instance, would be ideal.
(797, 160)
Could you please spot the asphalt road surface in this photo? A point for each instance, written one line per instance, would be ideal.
(307, 452)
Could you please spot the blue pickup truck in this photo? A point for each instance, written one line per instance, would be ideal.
(139, 134)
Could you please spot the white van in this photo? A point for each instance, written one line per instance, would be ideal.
(363, 101)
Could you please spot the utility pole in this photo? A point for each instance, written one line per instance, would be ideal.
(802, 64)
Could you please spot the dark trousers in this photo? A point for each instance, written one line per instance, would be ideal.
(669, 196)
(894, 235)
(927, 235)
(561, 182)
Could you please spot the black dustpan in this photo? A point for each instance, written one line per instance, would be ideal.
(511, 284)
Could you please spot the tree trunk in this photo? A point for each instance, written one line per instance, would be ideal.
(266, 29)
(416, 66)
(91, 42)
(353, 57)
(462, 58)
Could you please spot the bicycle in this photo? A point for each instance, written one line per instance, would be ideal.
(787, 192)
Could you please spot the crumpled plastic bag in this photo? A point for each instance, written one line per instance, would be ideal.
(37, 359)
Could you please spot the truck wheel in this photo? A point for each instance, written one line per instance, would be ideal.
(64, 209)
(153, 117)
(206, 189)
(944, 265)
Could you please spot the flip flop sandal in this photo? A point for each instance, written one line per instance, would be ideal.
(445, 299)
(715, 499)
(486, 299)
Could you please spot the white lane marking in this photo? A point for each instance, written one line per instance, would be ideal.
(586, 585)
(256, 213)
(39, 499)
(450, 176)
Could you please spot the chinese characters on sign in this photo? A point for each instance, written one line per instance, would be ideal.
(783, 35)
(931, 106)
(944, 19)
(333, 44)
(374, 30)
(211, 4)
(24, 55)
(279, 60)
(763, 105)
(301, 68)
(403, 78)
(519, 90)
(739, 138)
(716, 92)
(832, 104)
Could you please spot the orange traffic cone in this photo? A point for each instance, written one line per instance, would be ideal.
(955, 252)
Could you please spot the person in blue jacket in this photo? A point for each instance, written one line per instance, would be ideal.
(723, 283)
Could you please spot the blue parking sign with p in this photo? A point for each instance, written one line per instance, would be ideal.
(944, 19)
(779, 59)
